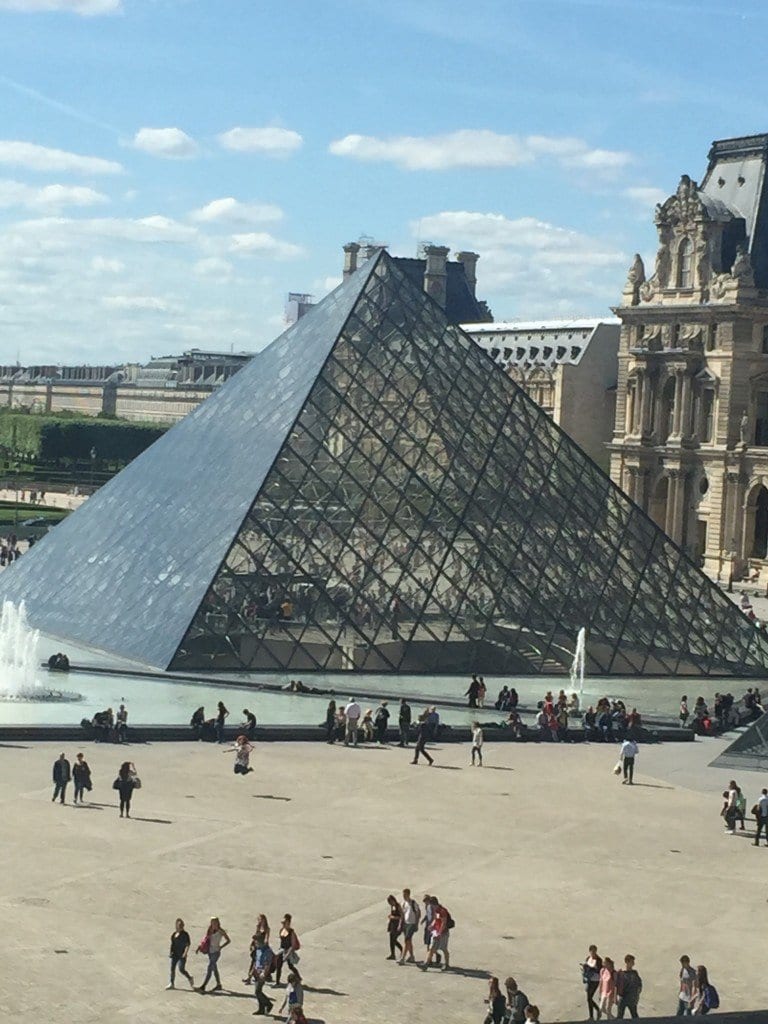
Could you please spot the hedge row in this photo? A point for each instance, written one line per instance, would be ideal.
(70, 440)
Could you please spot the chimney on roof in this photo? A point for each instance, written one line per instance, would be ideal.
(469, 260)
(351, 249)
(435, 274)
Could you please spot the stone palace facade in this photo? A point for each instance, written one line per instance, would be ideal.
(690, 443)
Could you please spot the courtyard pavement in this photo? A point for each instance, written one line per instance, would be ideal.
(536, 855)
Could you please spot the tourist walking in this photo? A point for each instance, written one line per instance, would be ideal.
(81, 776)
(410, 917)
(472, 692)
(482, 689)
(517, 1001)
(214, 942)
(127, 780)
(439, 935)
(404, 722)
(221, 717)
(590, 973)
(243, 751)
(180, 943)
(61, 776)
(394, 927)
(352, 716)
(730, 808)
(760, 811)
(330, 722)
(607, 989)
(294, 997)
(421, 739)
(497, 1004)
(381, 722)
(629, 985)
(532, 1013)
(628, 753)
(289, 949)
(477, 744)
(705, 997)
(262, 958)
(687, 979)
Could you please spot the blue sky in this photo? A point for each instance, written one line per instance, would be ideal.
(170, 169)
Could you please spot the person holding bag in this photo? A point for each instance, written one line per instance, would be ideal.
(213, 942)
(289, 949)
(127, 780)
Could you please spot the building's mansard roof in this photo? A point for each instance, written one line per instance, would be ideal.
(538, 342)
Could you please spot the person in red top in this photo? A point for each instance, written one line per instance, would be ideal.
(439, 934)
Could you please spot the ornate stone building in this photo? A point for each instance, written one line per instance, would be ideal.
(690, 442)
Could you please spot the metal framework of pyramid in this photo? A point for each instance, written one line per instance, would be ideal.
(373, 493)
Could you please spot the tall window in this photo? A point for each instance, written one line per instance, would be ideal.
(761, 420)
(765, 338)
(685, 264)
(707, 414)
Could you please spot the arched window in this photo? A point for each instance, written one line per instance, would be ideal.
(685, 264)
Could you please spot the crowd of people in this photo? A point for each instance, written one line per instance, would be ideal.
(734, 809)
(613, 993)
(266, 960)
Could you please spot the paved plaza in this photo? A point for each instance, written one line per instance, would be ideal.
(536, 855)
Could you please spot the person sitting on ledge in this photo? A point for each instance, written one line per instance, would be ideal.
(58, 662)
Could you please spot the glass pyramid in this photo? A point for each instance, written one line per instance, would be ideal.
(373, 493)
(424, 515)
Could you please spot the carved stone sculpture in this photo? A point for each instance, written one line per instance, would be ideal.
(742, 265)
(744, 427)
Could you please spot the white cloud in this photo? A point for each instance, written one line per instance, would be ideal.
(260, 243)
(142, 229)
(168, 143)
(50, 197)
(137, 303)
(84, 7)
(476, 148)
(272, 141)
(42, 158)
(231, 211)
(646, 195)
(529, 267)
(103, 265)
(214, 268)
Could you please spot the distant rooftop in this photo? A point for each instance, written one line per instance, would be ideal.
(541, 342)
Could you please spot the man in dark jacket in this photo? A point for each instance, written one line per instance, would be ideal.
(61, 776)
(404, 721)
(629, 985)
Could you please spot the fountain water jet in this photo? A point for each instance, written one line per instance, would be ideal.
(577, 665)
(19, 659)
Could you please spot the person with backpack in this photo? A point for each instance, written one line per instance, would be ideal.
(442, 922)
(629, 985)
(705, 997)
(517, 1002)
(411, 916)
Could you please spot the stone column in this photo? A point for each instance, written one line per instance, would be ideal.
(645, 407)
(677, 411)
(631, 482)
(733, 539)
(685, 406)
(469, 259)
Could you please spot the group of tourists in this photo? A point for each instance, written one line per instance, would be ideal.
(734, 809)
(107, 726)
(608, 989)
(351, 725)
(403, 919)
(264, 966)
(126, 781)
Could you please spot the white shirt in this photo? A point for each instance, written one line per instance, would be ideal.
(409, 915)
(762, 806)
(352, 711)
(629, 749)
(477, 737)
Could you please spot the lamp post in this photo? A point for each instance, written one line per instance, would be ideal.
(93, 465)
